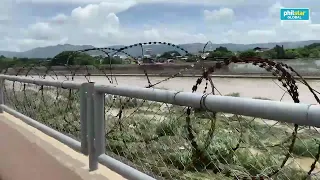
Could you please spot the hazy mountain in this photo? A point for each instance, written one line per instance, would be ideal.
(51, 51)
(8, 53)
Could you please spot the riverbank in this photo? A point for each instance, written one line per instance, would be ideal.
(247, 76)
(309, 69)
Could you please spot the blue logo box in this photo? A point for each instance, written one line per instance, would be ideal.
(294, 14)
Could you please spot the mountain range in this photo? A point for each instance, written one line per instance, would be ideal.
(51, 51)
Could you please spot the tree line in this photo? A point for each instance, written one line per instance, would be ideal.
(61, 59)
(78, 58)
(277, 52)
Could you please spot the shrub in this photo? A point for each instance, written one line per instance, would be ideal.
(306, 147)
(167, 128)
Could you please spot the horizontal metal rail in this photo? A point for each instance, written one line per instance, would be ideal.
(302, 114)
(44, 82)
(126, 171)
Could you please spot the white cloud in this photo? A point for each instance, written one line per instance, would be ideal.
(271, 29)
(99, 24)
(59, 19)
(261, 33)
(274, 10)
(42, 31)
(96, 24)
(223, 15)
(16, 44)
(91, 24)
(97, 11)
(200, 2)
(6, 10)
(171, 35)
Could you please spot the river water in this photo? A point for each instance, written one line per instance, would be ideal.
(303, 66)
(268, 88)
(250, 88)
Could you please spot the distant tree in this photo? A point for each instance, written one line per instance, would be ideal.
(249, 53)
(216, 54)
(6, 62)
(270, 54)
(221, 49)
(303, 52)
(309, 51)
(314, 53)
(312, 46)
(170, 54)
(111, 60)
(220, 52)
(23, 59)
(73, 58)
(280, 52)
(291, 54)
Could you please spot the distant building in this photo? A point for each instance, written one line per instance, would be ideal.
(259, 49)
(148, 51)
(121, 56)
(146, 56)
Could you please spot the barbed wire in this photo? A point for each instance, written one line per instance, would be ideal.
(175, 142)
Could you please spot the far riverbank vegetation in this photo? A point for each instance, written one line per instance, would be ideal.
(311, 51)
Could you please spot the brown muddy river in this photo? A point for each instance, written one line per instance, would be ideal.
(268, 88)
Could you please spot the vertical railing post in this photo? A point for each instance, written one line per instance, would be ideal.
(83, 119)
(99, 122)
(2, 84)
(93, 162)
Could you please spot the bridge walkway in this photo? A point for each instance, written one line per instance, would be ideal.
(27, 153)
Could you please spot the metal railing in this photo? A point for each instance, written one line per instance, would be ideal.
(92, 114)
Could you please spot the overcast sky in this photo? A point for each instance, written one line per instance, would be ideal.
(26, 24)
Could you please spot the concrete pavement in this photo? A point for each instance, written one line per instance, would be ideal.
(26, 153)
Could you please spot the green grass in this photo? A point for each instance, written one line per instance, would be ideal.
(306, 147)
